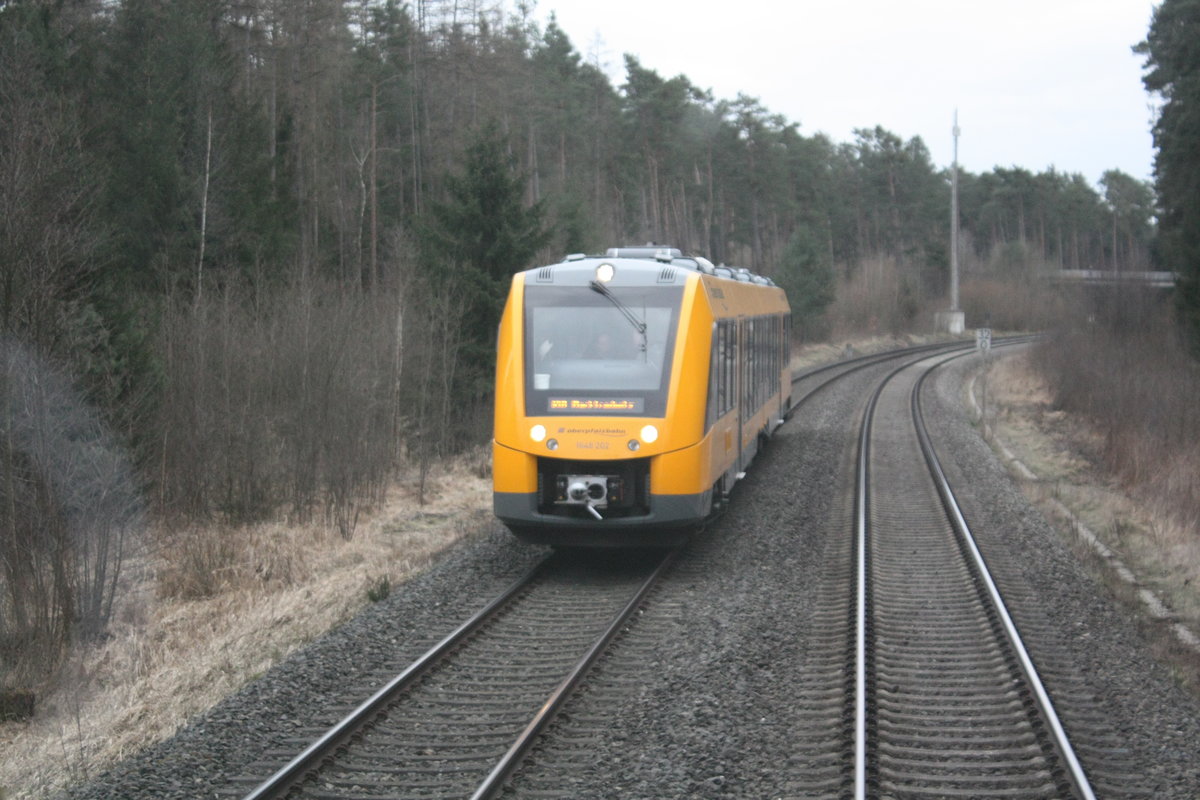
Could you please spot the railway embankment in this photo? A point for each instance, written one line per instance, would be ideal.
(201, 624)
(1133, 544)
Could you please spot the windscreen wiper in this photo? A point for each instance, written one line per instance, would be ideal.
(638, 325)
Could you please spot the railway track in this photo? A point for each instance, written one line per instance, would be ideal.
(930, 695)
(456, 721)
(812, 381)
(947, 700)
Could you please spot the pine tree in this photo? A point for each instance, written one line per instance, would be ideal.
(484, 232)
(806, 274)
(1173, 71)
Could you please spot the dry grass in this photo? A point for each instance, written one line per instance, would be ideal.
(1067, 453)
(1021, 406)
(1127, 374)
(177, 652)
(817, 353)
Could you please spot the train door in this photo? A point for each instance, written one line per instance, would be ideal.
(723, 417)
(743, 393)
(785, 356)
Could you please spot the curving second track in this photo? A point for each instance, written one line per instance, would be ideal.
(951, 706)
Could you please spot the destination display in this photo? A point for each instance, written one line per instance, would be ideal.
(594, 405)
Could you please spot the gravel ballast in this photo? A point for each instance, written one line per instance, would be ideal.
(705, 704)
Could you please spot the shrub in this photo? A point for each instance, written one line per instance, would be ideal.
(1122, 364)
(69, 513)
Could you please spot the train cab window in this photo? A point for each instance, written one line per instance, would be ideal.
(585, 354)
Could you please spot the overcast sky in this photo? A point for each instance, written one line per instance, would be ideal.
(1037, 83)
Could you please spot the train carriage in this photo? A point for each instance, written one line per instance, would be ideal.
(632, 391)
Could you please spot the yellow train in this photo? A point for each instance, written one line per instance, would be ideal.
(632, 391)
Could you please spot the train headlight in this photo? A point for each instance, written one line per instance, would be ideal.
(537, 433)
(605, 272)
(649, 434)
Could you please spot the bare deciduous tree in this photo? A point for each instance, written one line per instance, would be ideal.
(69, 511)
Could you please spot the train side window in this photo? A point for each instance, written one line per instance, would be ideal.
(758, 364)
(748, 371)
(761, 363)
(730, 365)
(764, 351)
(773, 357)
(731, 355)
(747, 362)
(775, 351)
(722, 369)
(773, 378)
(776, 358)
(714, 378)
(756, 335)
(787, 339)
(780, 345)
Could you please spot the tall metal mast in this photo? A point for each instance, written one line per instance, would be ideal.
(954, 220)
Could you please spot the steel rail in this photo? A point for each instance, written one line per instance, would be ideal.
(874, 359)
(297, 770)
(495, 779)
(1059, 737)
(862, 508)
(861, 511)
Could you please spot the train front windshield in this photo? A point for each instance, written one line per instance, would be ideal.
(592, 353)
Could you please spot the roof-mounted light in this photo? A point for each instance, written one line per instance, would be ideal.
(605, 272)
